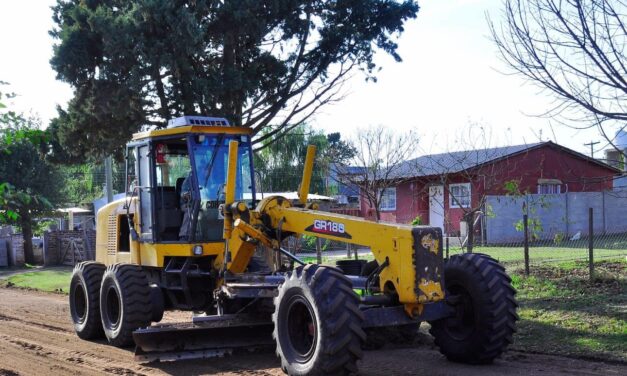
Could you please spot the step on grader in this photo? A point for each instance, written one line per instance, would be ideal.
(192, 235)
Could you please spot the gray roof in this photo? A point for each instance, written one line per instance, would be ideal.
(449, 163)
(458, 161)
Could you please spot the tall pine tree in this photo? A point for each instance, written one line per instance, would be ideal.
(264, 64)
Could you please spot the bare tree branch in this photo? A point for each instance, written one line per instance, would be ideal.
(575, 51)
(379, 162)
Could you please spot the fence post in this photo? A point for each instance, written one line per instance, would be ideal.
(446, 247)
(526, 242)
(318, 251)
(348, 250)
(470, 222)
(591, 243)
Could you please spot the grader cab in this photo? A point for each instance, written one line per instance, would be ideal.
(191, 234)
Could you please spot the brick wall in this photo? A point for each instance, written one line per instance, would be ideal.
(67, 247)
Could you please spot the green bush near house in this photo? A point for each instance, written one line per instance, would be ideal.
(417, 221)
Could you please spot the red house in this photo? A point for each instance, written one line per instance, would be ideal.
(440, 188)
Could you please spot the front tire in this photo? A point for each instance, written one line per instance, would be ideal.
(485, 318)
(85, 299)
(317, 323)
(125, 303)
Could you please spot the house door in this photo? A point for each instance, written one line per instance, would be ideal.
(436, 206)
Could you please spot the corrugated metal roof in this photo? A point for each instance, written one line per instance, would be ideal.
(452, 162)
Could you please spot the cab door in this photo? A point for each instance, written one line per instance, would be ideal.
(145, 168)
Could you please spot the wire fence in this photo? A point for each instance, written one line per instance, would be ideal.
(532, 252)
(557, 247)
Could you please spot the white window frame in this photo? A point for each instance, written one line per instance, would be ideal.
(549, 188)
(381, 204)
(453, 203)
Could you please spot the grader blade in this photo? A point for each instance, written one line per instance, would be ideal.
(205, 337)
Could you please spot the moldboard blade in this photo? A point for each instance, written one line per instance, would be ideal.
(214, 336)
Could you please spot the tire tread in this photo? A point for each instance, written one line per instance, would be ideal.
(91, 273)
(497, 301)
(340, 320)
(136, 301)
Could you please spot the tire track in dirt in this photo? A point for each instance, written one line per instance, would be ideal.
(86, 361)
(24, 322)
(41, 345)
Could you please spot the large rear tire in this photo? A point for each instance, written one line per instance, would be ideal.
(317, 323)
(85, 299)
(485, 318)
(125, 303)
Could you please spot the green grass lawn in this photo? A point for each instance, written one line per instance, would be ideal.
(542, 254)
(563, 313)
(45, 280)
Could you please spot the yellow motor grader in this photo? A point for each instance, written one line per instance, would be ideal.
(190, 235)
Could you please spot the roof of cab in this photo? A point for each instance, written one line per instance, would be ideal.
(194, 124)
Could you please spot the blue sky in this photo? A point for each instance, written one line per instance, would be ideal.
(449, 78)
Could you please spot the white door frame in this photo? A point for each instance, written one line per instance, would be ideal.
(436, 206)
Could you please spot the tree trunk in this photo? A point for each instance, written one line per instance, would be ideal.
(164, 110)
(27, 234)
(229, 100)
(470, 221)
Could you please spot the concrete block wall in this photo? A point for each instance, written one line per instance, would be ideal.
(565, 214)
(15, 248)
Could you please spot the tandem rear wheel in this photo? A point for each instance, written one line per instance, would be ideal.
(85, 299)
(125, 303)
(112, 301)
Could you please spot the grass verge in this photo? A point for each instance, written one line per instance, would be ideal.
(45, 280)
(564, 313)
(544, 254)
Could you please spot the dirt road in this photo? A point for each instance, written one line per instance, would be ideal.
(36, 338)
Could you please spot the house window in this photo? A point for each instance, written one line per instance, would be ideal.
(549, 186)
(547, 189)
(388, 199)
(353, 201)
(459, 195)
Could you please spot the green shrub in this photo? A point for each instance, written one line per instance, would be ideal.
(417, 221)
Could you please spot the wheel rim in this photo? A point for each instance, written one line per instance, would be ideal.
(462, 325)
(113, 307)
(301, 328)
(79, 297)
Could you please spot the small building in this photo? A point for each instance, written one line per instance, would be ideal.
(340, 185)
(616, 156)
(440, 188)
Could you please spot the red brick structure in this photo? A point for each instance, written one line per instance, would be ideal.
(435, 187)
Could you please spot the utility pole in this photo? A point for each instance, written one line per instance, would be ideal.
(108, 179)
(591, 144)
